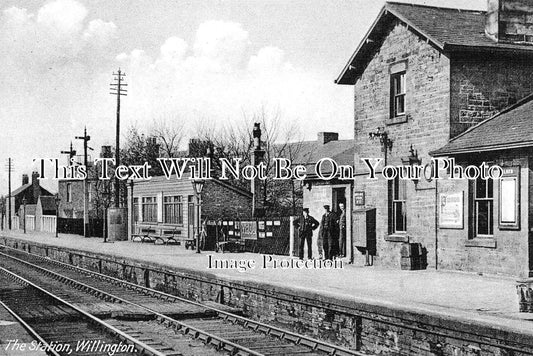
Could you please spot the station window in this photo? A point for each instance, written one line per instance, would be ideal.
(483, 208)
(136, 209)
(149, 209)
(397, 201)
(397, 94)
(172, 210)
(69, 192)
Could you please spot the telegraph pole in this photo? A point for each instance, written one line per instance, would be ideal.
(9, 168)
(118, 90)
(85, 139)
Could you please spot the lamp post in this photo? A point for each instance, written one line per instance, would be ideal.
(24, 203)
(57, 200)
(198, 185)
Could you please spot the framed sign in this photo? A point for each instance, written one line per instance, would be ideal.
(358, 198)
(249, 230)
(451, 210)
(509, 205)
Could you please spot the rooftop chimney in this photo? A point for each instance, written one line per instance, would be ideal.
(325, 137)
(36, 187)
(106, 152)
(25, 179)
(510, 21)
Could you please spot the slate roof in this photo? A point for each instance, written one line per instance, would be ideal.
(20, 189)
(511, 128)
(48, 203)
(310, 152)
(448, 29)
(26, 186)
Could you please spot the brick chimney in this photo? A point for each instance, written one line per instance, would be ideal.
(25, 179)
(35, 186)
(325, 137)
(106, 152)
(510, 21)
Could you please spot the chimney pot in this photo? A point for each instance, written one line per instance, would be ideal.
(510, 21)
(325, 137)
(25, 179)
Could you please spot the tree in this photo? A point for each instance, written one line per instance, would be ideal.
(280, 197)
(169, 135)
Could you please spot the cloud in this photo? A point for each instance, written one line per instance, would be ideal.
(62, 16)
(51, 62)
(219, 77)
(220, 44)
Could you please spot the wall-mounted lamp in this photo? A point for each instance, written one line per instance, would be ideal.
(383, 137)
(412, 160)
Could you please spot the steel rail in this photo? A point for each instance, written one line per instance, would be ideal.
(185, 328)
(141, 347)
(48, 348)
(295, 338)
(246, 321)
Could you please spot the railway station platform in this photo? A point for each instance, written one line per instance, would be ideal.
(482, 304)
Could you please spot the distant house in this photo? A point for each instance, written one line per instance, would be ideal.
(31, 191)
(318, 191)
(172, 203)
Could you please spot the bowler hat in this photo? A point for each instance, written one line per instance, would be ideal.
(326, 207)
(306, 210)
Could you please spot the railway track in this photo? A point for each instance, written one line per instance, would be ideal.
(60, 328)
(225, 331)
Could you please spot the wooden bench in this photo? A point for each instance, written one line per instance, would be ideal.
(166, 236)
(143, 234)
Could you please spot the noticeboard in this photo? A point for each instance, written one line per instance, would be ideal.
(451, 210)
(249, 230)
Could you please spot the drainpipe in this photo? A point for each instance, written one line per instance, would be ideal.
(436, 224)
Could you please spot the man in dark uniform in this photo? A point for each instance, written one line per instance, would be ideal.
(328, 233)
(342, 230)
(306, 224)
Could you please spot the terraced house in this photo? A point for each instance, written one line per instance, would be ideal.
(422, 76)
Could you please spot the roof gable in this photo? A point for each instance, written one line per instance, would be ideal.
(445, 28)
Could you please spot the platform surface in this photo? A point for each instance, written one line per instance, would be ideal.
(488, 299)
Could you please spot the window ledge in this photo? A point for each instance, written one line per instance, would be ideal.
(397, 238)
(480, 242)
(397, 120)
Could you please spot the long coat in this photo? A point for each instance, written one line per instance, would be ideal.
(328, 226)
(306, 226)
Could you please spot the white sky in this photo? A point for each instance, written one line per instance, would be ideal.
(184, 59)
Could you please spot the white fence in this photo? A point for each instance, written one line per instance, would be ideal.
(48, 223)
(45, 223)
(30, 222)
(15, 223)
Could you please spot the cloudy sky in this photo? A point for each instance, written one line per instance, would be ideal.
(185, 60)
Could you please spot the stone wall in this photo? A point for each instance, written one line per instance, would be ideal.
(425, 127)
(483, 86)
(359, 325)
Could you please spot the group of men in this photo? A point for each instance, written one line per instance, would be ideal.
(331, 235)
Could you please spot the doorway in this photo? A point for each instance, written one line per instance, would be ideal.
(338, 196)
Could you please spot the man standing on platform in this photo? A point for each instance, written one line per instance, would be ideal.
(342, 230)
(306, 224)
(327, 232)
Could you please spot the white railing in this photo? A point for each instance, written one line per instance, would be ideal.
(48, 223)
(30, 222)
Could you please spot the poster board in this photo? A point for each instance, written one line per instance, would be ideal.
(451, 210)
